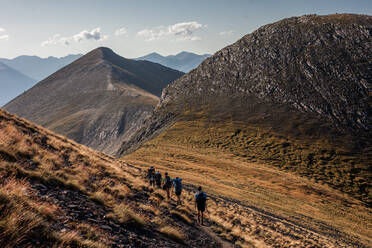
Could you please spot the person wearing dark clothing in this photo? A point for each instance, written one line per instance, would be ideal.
(178, 189)
(158, 179)
(151, 176)
(201, 204)
(167, 184)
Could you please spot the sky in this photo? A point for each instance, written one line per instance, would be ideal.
(135, 28)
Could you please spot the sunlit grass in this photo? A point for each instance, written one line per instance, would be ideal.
(244, 166)
(173, 233)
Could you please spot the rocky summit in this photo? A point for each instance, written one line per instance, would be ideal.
(98, 100)
(305, 82)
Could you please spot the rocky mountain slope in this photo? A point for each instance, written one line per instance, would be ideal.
(39, 68)
(183, 61)
(12, 83)
(57, 193)
(98, 100)
(295, 94)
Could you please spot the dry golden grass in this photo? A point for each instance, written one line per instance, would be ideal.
(38, 155)
(173, 233)
(164, 205)
(160, 194)
(149, 208)
(126, 216)
(22, 217)
(74, 239)
(155, 200)
(183, 217)
(102, 197)
(223, 172)
(64, 163)
(158, 221)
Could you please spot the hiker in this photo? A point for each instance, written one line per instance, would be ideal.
(158, 179)
(178, 189)
(151, 175)
(167, 184)
(201, 204)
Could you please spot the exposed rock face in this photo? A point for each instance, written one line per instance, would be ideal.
(317, 65)
(98, 100)
(306, 80)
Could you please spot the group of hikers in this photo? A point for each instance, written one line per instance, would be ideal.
(156, 180)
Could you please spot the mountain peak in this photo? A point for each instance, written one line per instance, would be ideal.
(303, 78)
(101, 52)
(110, 93)
(185, 53)
(155, 54)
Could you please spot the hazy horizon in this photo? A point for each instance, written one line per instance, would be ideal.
(74, 54)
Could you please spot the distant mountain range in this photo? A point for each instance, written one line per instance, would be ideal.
(39, 68)
(98, 100)
(183, 61)
(12, 83)
(21, 73)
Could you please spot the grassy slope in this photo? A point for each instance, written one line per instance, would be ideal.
(50, 185)
(242, 162)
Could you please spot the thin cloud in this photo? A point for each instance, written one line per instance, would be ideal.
(3, 36)
(153, 34)
(226, 33)
(94, 34)
(180, 31)
(56, 39)
(121, 31)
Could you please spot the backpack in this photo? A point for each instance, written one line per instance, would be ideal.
(168, 182)
(178, 185)
(201, 198)
(158, 177)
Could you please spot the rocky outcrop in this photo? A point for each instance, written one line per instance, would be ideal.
(303, 83)
(318, 66)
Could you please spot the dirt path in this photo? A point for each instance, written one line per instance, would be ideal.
(259, 228)
(232, 222)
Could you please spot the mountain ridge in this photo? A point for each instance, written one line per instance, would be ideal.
(183, 61)
(37, 67)
(96, 100)
(301, 83)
